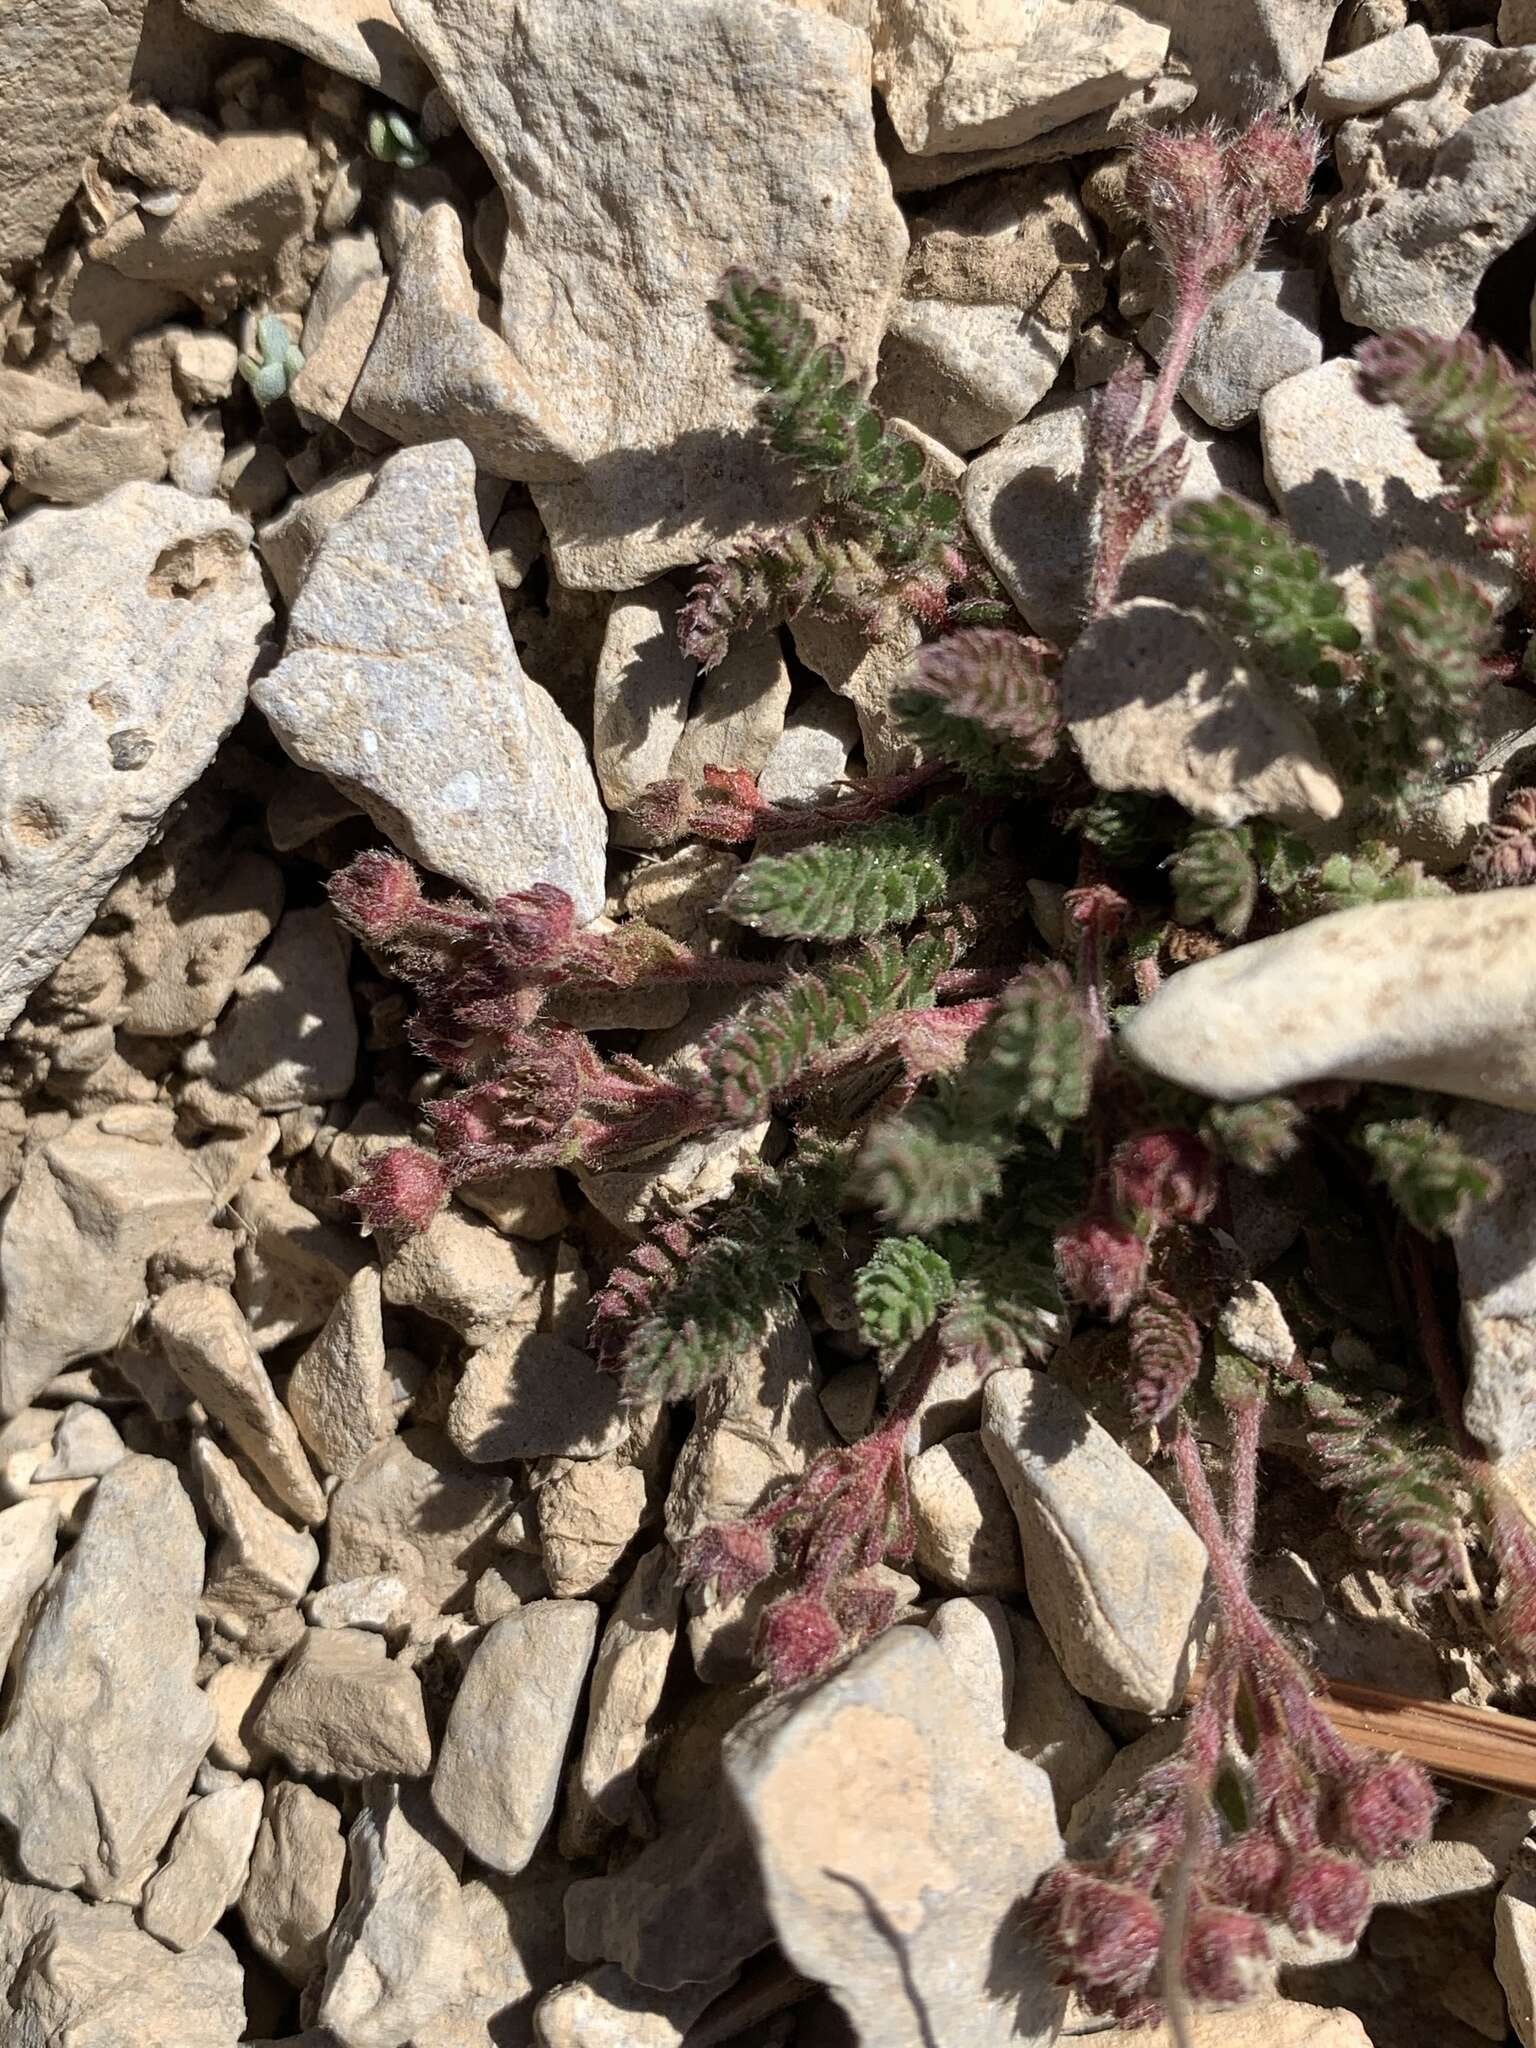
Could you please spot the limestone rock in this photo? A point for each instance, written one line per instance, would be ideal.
(86, 1975)
(1245, 55)
(290, 1895)
(86, 461)
(1050, 1724)
(1435, 189)
(382, 1602)
(93, 1206)
(259, 1562)
(399, 1954)
(642, 691)
(1261, 329)
(466, 1274)
(1272, 2023)
(895, 1837)
(1157, 700)
(63, 71)
(93, 1795)
(1496, 1262)
(525, 1395)
(764, 134)
(338, 1392)
(606, 2010)
(630, 1670)
(1029, 502)
(1115, 1572)
(400, 683)
(342, 1708)
(27, 1536)
(437, 371)
(287, 543)
(1375, 75)
(1351, 482)
(291, 1268)
(974, 1635)
(288, 1036)
(359, 38)
(590, 1511)
(131, 629)
(737, 712)
(187, 951)
(866, 673)
(498, 1775)
(810, 758)
(966, 1539)
(208, 1344)
(410, 1508)
(205, 1869)
(322, 391)
(1432, 993)
(1514, 1955)
(984, 74)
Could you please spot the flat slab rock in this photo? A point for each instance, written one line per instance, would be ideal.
(626, 204)
(400, 683)
(1436, 993)
(1496, 1263)
(895, 1835)
(131, 628)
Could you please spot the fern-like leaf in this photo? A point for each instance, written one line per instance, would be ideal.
(1272, 588)
(1427, 1171)
(900, 1290)
(1398, 1489)
(1214, 879)
(984, 701)
(864, 881)
(1434, 631)
(1259, 1135)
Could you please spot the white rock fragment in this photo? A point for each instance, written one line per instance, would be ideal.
(400, 683)
(966, 1538)
(291, 1268)
(607, 2010)
(590, 1511)
(288, 1035)
(436, 371)
(1157, 700)
(1270, 2023)
(1261, 329)
(359, 38)
(290, 1895)
(205, 1868)
(1514, 1953)
(1245, 55)
(1050, 1724)
(810, 758)
(342, 1708)
(895, 1836)
(410, 1508)
(28, 1532)
(498, 1775)
(987, 74)
(1115, 1572)
(465, 1273)
(260, 1561)
(399, 1954)
(1435, 189)
(1254, 1324)
(188, 950)
(131, 629)
(207, 1343)
(974, 1635)
(1373, 76)
(525, 1395)
(628, 1674)
(338, 1392)
(1432, 993)
(625, 207)
(1496, 1264)
(93, 1795)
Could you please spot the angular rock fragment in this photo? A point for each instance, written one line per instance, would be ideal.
(590, 1511)
(28, 1532)
(338, 1392)
(92, 1794)
(290, 1896)
(341, 1708)
(260, 1561)
(964, 1528)
(131, 629)
(359, 38)
(1496, 1264)
(288, 1035)
(1246, 55)
(630, 1670)
(409, 1507)
(205, 1869)
(465, 1273)
(400, 683)
(525, 1395)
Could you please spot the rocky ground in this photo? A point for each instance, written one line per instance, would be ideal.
(349, 1695)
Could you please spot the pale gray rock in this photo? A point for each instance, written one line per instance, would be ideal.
(737, 714)
(399, 1953)
(343, 1708)
(865, 672)
(382, 1602)
(1261, 329)
(967, 373)
(287, 543)
(1496, 1262)
(290, 1895)
(465, 1273)
(1029, 501)
(338, 1392)
(131, 629)
(1051, 1724)
(989, 74)
(64, 69)
(84, 1975)
(359, 38)
(291, 1268)
(607, 2010)
(409, 1508)
(260, 1561)
(205, 1868)
(1375, 75)
(810, 758)
(288, 1035)
(642, 691)
(1245, 55)
(28, 1532)
(1156, 700)
(400, 683)
(1115, 1572)
(92, 1208)
(436, 371)
(1514, 1952)
(1162, 99)
(1353, 484)
(188, 949)
(207, 1343)
(1254, 1324)
(628, 1674)
(1433, 993)
(976, 1640)
(93, 1795)
(895, 1836)
(322, 391)
(498, 1774)
(966, 1538)
(590, 1510)
(525, 1395)
(625, 206)
(1435, 189)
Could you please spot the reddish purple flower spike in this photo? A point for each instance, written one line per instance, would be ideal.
(1162, 1177)
(1225, 1951)
(377, 895)
(736, 1555)
(1387, 1809)
(797, 1639)
(1105, 1937)
(1277, 156)
(403, 1189)
(1102, 1265)
(1248, 1872)
(1325, 1894)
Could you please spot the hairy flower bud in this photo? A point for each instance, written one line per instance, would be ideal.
(796, 1639)
(1327, 1894)
(736, 1555)
(1105, 1937)
(1224, 1955)
(1277, 156)
(863, 1607)
(1388, 1808)
(1248, 1870)
(403, 1189)
(1101, 1265)
(377, 895)
(1162, 1177)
